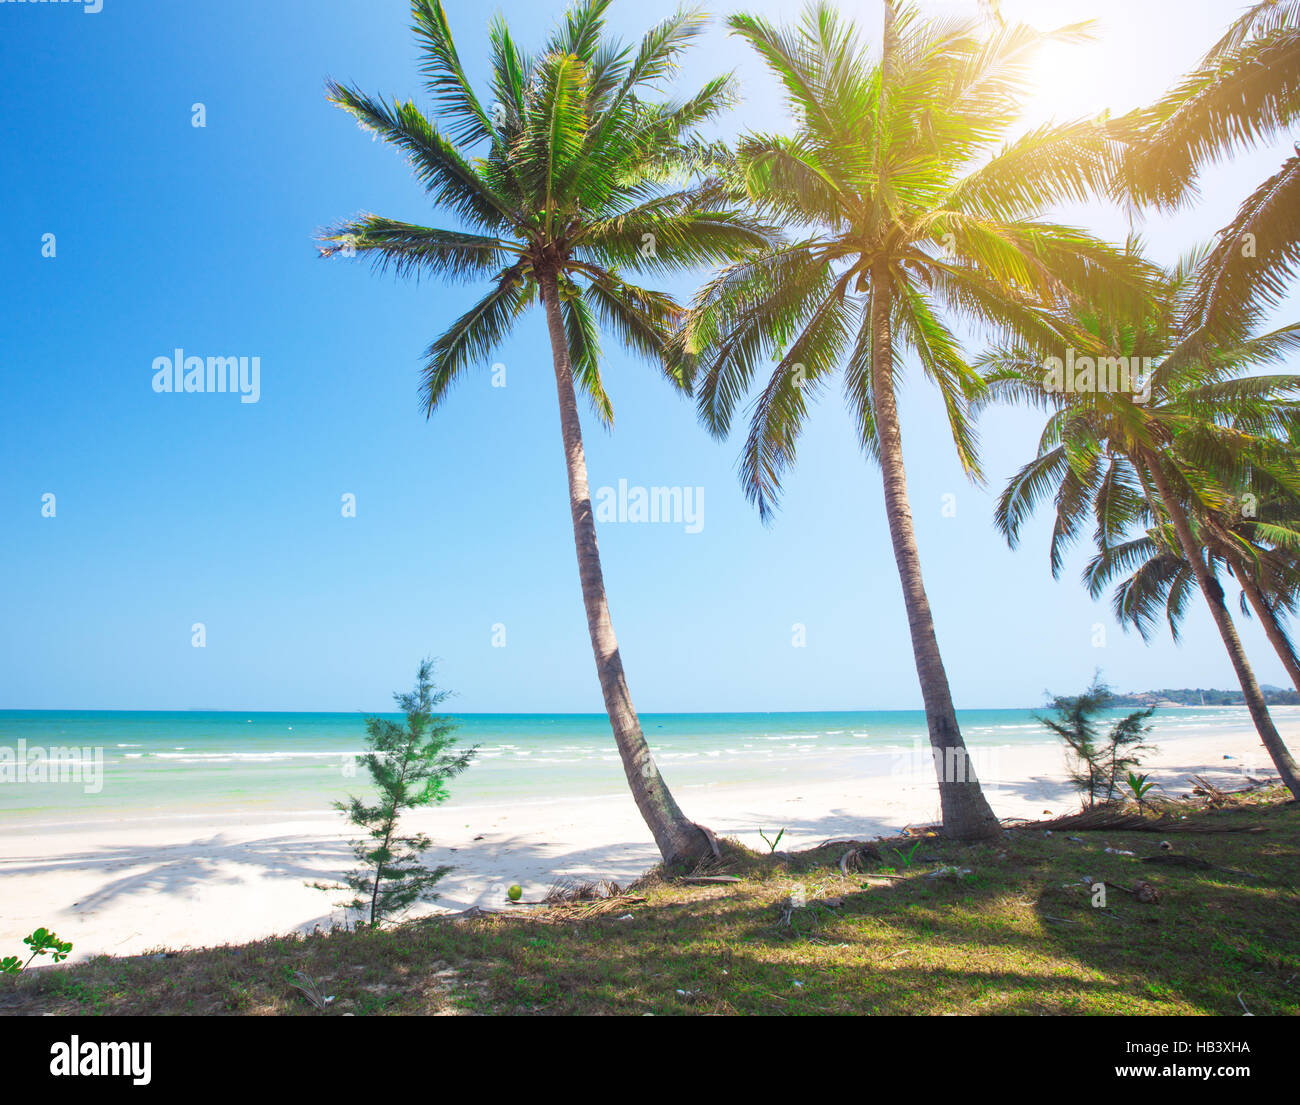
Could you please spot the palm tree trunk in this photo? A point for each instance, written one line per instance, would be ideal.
(1277, 636)
(1282, 760)
(966, 812)
(678, 838)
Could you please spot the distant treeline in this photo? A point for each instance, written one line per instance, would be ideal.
(1185, 696)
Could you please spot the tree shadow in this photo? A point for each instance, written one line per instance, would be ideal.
(176, 869)
(917, 944)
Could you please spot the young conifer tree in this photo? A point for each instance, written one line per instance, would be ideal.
(409, 765)
(1098, 762)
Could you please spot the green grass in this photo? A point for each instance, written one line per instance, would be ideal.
(1017, 936)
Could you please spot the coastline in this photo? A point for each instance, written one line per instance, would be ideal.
(126, 887)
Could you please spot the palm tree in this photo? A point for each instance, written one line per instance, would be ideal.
(1126, 459)
(905, 215)
(1155, 579)
(1245, 91)
(1260, 554)
(571, 175)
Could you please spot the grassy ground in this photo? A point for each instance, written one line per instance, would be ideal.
(1019, 934)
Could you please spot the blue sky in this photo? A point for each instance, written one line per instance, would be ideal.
(177, 509)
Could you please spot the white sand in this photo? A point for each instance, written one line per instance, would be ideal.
(126, 887)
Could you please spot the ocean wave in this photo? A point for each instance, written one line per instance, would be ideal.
(252, 757)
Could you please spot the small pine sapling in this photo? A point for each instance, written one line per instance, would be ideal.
(1097, 761)
(409, 765)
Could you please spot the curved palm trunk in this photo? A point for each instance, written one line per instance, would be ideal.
(966, 812)
(678, 838)
(1281, 756)
(1277, 636)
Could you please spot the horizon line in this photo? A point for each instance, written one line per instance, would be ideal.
(557, 713)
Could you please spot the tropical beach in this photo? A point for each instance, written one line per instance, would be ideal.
(173, 867)
(590, 509)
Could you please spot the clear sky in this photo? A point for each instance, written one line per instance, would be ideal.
(178, 509)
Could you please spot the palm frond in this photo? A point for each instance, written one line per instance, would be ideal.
(472, 337)
(410, 250)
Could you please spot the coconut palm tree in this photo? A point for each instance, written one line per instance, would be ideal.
(905, 215)
(1244, 92)
(1199, 424)
(1255, 542)
(567, 176)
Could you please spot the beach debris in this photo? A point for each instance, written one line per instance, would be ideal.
(515, 892)
(1142, 891)
(578, 900)
(1111, 819)
(564, 891)
(1075, 839)
(1047, 832)
(714, 847)
(605, 905)
(1118, 851)
(1214, 796)
(857, 856)
(475, 912)
(311, 990)
(1146, 893)
(949, 872)
(1193, 863)
(797, 899)
(1165, 846)
(1247, 1012)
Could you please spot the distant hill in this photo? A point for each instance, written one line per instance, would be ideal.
(1198, 696)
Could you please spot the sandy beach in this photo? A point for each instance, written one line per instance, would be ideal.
(127, 887)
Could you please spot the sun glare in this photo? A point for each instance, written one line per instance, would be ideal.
(1080, 80)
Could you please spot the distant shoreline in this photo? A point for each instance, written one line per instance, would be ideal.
(1274, 696)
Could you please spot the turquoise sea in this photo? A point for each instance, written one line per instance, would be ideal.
(176, 763)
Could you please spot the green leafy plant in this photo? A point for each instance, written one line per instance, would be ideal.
(771, 844)
(906, 859)
(1139, 786)
(41, 942)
